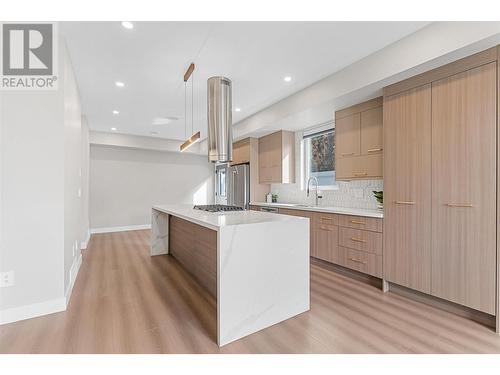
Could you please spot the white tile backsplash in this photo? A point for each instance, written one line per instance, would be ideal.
(353, 194)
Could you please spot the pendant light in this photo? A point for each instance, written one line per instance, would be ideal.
(196, 136)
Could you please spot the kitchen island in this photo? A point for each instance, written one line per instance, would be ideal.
(255, 264)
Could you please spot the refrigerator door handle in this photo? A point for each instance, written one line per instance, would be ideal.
(233, 186)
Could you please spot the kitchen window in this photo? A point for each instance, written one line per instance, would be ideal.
(319, 157)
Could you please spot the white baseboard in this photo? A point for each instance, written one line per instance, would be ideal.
(85, 242)
(120, 229)
(43, 308)
(32, 311)
(73, 273)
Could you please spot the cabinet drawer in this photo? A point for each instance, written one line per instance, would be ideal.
(370, 264)
(325, 219)
(361, 240)
(360, 222)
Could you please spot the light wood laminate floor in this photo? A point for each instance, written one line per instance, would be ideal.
(124, 301)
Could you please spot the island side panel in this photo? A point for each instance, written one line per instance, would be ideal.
(159, 233)
(263, 278)
(195, 247)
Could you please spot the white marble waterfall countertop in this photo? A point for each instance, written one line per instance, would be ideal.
(262, 265)
(366, 212)
(215, 220)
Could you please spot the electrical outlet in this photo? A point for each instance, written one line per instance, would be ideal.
(76, 247)
(6, 279)
(79, 192)
(73, 249)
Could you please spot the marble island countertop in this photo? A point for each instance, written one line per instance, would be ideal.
(258, 270)
(216, 220)
(366, 212)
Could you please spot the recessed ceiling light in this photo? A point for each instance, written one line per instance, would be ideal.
(119, 84)
(237, 109)
(153, 133)
(287, 79)
(127, 24)
(115, 112)
(114, 129)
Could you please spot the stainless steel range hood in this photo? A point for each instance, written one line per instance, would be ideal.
(220, 120)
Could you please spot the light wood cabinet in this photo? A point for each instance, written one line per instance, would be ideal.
(359, 141)
(325, 234)
(464, 188)
(361, 261)
(241, 152)
(359, 239)
(372, 131)
(277, 158)
(359, 222)
(407, 188)
(440, 183)
(353, 242)
(348, 135)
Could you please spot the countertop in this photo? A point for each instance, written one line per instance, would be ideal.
(215, 220)
(365, 212)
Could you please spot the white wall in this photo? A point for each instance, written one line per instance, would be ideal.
(72, 174)
(85, 183)
(32, 196)
(125, 183)
(40, 156)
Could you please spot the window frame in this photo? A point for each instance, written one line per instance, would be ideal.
(305, 155)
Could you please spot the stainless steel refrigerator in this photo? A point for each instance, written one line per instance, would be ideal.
(232, 185)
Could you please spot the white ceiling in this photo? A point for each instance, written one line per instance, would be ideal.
(151, 60)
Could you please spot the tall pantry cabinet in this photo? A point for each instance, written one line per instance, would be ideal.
(440, 182)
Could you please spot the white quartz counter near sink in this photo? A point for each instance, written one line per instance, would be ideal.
(366, 212)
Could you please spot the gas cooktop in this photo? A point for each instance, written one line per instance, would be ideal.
(217, 208)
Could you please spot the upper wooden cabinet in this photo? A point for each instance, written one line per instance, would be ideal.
(359, 141)
(277, 158)
(241, 152)
(348, 135)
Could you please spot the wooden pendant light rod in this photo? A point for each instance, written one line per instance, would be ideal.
(188, 72)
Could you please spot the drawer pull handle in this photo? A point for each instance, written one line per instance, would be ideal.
(323, 227)
(357, 240)
(374, 150)
(357, 222)
(357, 260)
(348, 154)
(459, 205)
(404, 202)
(361, 174)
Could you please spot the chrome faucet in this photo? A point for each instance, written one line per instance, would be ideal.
(308, 189)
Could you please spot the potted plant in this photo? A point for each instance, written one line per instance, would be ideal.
(379, 196)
